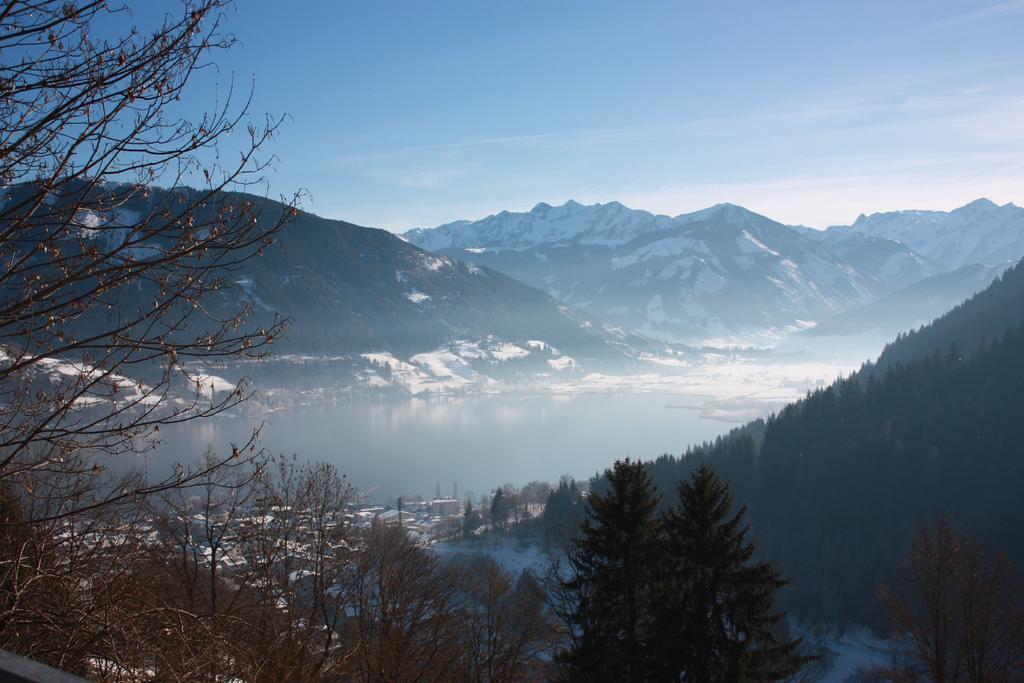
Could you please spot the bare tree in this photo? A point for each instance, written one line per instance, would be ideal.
(991, 615)
(117, 591)
(958, 615)
(245, 574)
(300, 556)
(925, 614)
(405, 612)
(507, 632)
(109, 288)
(62, 583)
(111, 312)
(198, 549)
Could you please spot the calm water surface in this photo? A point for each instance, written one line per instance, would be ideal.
(405, 446)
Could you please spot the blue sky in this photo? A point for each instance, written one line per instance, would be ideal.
(407, 114)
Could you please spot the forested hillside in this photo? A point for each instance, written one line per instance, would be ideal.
(984, 316)
(844, 478)
(343, 288)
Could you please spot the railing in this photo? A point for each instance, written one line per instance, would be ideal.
(18, 669)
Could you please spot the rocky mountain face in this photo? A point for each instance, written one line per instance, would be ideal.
(548, 291)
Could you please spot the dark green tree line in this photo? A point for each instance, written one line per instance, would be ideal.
(670, 596)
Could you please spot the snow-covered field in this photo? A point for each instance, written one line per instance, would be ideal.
(513, 557)
(730, 387)
(850, 653)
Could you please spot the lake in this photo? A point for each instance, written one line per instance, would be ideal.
(404, 446)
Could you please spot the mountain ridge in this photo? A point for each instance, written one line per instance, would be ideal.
(979, 232)
(723, 274)
(685, 284)
(360, 298)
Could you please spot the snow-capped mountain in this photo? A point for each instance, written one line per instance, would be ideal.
(598, 224)
(723, 274)
(889, 262)
(726, 273)
(980, 232)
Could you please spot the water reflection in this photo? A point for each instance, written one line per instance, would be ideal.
(404, 446)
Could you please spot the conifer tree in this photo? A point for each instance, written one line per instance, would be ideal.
(470, 520)
(562, 514)
(499, 509)
(612, 566)
(716, 610)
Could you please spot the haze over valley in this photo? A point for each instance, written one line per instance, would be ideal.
(378, 323)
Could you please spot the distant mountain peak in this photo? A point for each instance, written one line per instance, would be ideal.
(567, 207)
(978, 232)
(979, 205)
(725, 211)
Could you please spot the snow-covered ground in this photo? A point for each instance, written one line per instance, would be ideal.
(458, 366)
(725, 386)
(512, 556)
(850, 653)
(728, 387)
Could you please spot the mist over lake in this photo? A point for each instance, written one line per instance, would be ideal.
(405, 446)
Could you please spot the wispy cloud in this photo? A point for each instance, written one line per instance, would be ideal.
(912, 140)
(818, 201)
(813, 200)
(998, 9)
(430, 178)
(490, 142)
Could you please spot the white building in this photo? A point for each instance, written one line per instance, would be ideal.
(445, 507)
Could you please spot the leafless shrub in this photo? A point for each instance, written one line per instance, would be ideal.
(958, 614)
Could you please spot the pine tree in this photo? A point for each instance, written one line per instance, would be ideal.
(613, 564)
(499, 509)
(561, 518)
(717, 608)
(470, 520)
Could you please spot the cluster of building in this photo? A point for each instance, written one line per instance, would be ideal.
(424, 520)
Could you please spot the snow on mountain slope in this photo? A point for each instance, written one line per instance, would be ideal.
(604, 224)
(890, 262)
(723, 274)
(346, 289)
(463, 366)
(353, 289)
(978, 233)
